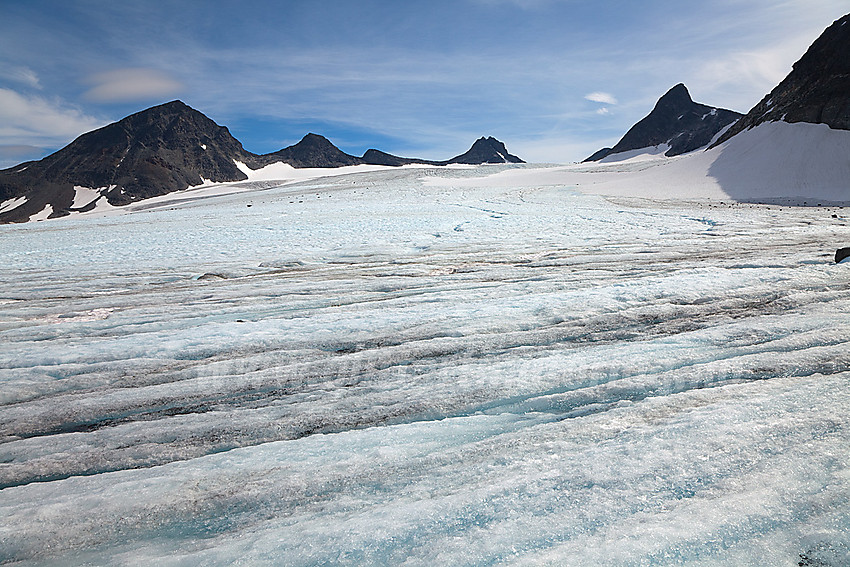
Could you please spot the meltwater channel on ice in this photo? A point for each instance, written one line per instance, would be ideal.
(417, 367)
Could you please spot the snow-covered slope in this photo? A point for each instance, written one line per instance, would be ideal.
(775, 162)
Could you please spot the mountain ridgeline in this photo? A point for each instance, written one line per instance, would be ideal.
(817, 90)
(169, 148)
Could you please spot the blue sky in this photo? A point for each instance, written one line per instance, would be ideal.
(554, 79)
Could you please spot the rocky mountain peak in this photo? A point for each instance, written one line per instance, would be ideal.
(677, 98)
(677, 121)
(314, 141)
(312, 150)
(165, 148)
(486, 150)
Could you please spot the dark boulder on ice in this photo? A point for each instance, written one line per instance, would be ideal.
(817, 90)
(157, 151)
(677, 121)
(485, 150)
(841, 254)
(826, 554)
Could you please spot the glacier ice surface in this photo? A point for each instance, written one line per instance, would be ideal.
(373, 369)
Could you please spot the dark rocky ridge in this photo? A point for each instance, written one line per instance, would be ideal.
(599, 154)
(377, 157)
(312, 151)
(150, 153)
(676, 120)
(817, 90)
(484, 150)
(169, 148)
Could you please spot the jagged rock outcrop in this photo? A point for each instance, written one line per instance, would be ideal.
(677, 121)
(817, 90)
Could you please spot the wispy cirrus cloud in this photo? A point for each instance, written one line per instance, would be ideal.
(422, 79)
(131, 85)
(39, 121)
(20, 75)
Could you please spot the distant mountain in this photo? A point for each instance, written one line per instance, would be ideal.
(312, 151)
(792, 148)
(162, 149)
(377, 157)
(677, 122)
(169, 148)
(317, 151)
(483, 150)
(486, 150)
(817, 90)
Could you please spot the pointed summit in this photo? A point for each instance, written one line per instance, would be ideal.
(486, 150)
(677, 98)
(817, 90)
(677, 122)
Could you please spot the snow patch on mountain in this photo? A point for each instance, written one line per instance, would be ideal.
(10, 204)
(640, 154)
(83, 196)
(43, 214)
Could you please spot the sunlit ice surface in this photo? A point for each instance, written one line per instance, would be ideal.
(402, 368)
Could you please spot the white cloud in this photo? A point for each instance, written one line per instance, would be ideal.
(23, 75)
(603, 111)
(131, 85)
(741, 78)
(37, 121)
(604, 98)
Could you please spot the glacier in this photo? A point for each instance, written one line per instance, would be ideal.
(416, 366)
